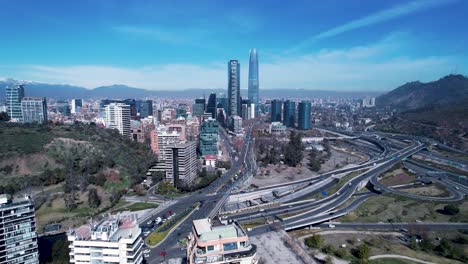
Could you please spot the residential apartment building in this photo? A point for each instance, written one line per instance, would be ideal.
(181, 167)
(18, 239)
(116, 239)
(234, 103)
(34, 109)
(117, 116)
(219, 244)
(13, 96)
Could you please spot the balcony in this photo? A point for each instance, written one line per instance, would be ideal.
(248, 251)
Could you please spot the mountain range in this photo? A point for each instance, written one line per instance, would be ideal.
(451, 89)
(64, 91)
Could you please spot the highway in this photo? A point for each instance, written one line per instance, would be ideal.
(209, 197)
(302, 213)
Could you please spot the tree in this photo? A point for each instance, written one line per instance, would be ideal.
(451, 209)
(328, 260)
(341, 253)
(363, 252)
(219, 173)
(294, 149)
(93, 198)
(70, 200)
(314, 241)
(328, 249)
(4, 116)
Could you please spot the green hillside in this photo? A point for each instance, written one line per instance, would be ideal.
(78, 155)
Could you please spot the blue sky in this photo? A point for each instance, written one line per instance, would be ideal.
(328, 45)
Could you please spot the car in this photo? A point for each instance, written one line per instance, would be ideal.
(331, 226)
(146, 233)
(146, 255)
(183, 248)
(337, 193)
(146, 251)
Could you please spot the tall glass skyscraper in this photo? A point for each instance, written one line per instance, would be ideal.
(276, 110)
(234, 104)
(304, 109)
(253, 79)
(289, 113)
(14, 95)
(211, 107)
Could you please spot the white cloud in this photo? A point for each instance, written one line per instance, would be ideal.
(370, 67)
(381, 16)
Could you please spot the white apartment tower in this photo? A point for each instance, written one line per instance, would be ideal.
(116, 239)
(18, 239)
(118, 117)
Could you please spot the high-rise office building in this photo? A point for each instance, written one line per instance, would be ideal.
(209, 137)
(63, 107)
(253, 89)
(181, 168)
(18, 239)
(117, 116)
(34, 109)
(133, 107)
(289, 113)
(211, 107)
(223, 103)
(115, 239)
(14, 95)
(276, 110)
(234, 88)
(304, 111)
(76, 105)
(198, 108)
(144, 108)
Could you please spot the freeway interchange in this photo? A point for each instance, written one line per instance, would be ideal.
(294, 210)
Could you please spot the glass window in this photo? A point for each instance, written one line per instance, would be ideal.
(210, 248)
(230, 246)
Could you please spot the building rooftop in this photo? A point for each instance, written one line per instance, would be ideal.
(6, 200)
(206, 231)
(113, 228)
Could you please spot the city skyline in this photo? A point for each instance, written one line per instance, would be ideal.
(141, 45)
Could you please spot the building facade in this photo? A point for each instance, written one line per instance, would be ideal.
(13, 96)
(219, 244)
(209, 137)
(18, 238)
(212, 105)
(144, 108)
(253, 89)
(181, 168)
(34, 110)
(116, 239)
(76, 105)
(304, 111)
(234, 88)
(198, 108)
(289, 113)
(63, 107)
(117, 116)
(276, 110)
(235, 124)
